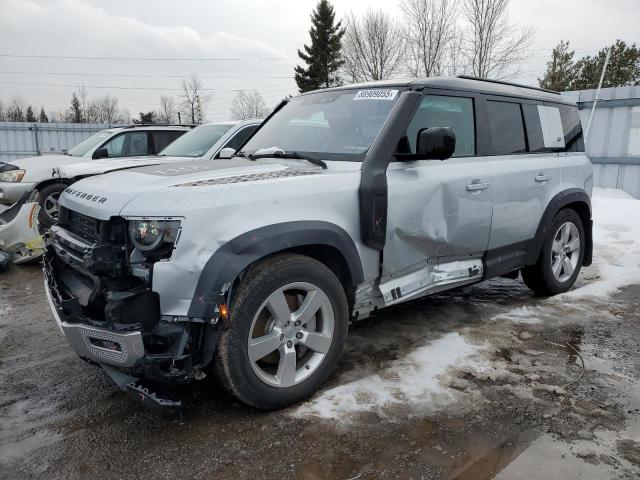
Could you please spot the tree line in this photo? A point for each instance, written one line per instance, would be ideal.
(444, 37)
(16, 110)
(564, 73)
(433, 37)
(187, 108)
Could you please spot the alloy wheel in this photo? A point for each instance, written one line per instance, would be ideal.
(565, 252)
(291, 334)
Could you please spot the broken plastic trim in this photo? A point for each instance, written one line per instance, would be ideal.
(144, 394)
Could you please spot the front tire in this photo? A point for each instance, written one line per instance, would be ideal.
(561, 257)
(287, 328)
(48, 199)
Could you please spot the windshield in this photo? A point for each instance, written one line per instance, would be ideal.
(88, 143)
(334, 125)
(197, 142)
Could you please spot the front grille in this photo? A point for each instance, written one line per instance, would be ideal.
(85, 227)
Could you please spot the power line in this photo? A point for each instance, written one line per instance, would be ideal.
(114, 87)
(150, 59)
(141, 75)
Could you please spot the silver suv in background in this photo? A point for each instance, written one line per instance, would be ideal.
(345, 201)
(40, 174)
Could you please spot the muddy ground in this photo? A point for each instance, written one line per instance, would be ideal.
(503, 411)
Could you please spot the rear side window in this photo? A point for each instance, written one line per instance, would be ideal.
(534, 127)
(163, 138)
(572, 129)
(544, 128)
(136, 144)
(441, 111)
(507, 129)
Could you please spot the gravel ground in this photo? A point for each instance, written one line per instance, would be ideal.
(508, 414)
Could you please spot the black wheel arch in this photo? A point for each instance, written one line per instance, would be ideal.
(51, 181)
(321, 240)
(579, 201)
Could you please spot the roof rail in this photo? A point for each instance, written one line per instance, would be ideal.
(135, 125)
(502, 82)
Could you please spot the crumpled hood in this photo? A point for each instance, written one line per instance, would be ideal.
(96, 167)
(42, 166)
(104, 196)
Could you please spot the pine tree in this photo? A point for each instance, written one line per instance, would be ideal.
(43, 116)
(76, 109)
(30, 116)
(561, 69)
(623, 68)
(322, 57)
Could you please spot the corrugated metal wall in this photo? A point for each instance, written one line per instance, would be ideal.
(20, 139)
(614, 139)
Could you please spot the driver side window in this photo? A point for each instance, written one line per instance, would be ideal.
(115, 146)
(130, 144)
(442, 111)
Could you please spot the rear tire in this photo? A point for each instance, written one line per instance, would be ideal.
(48, 200)
(561, 257)
(287, 328)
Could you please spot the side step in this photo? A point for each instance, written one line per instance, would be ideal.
(430, 278)
(144, 394)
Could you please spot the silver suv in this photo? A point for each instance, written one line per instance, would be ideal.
(344, 201)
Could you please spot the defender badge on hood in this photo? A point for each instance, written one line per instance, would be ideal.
(85, 196)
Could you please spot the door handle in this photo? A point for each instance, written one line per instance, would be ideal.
(476, 186)
(542, 178)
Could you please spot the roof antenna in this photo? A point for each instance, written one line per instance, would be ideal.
(595, 100)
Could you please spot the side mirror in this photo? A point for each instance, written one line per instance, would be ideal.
(436, 143)
(226, 153)
(100, 153)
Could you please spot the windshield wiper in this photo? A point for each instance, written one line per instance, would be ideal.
(292, 155)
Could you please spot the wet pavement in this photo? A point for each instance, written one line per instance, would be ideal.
(514, 402)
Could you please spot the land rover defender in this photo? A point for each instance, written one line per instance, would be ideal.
(345, 201)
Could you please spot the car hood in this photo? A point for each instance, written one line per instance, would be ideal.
(104, 196)
(40, 167)
(97, 167)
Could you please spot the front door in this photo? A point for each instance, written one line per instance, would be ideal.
(439, 212)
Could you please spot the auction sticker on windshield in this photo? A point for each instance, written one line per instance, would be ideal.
(376, 94)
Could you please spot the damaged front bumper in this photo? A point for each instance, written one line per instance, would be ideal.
(112, 317)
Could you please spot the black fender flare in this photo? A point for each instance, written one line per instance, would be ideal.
(224, 266)
(557, 203)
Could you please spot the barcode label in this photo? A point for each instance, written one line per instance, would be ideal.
(376, 94)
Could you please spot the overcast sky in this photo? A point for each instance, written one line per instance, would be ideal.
(257, 38)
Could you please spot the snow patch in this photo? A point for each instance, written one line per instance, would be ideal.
(418, 378)
(524, 315)
(616, 249)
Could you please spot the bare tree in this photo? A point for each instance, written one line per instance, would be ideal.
(494, 47)
(2, 117)
(372, 47)
(428, 31)
(247, 105)
(84, 102)
(16, 109)
(455, 60)
(193, 99)
(102, 110)
(167, 110)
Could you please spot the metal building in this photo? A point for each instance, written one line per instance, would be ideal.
(614, 138)
(21, 139)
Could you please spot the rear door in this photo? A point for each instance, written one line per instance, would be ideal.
(527, 141)
(439, 212)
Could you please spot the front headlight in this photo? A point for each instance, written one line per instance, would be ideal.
(12, 176)
(148, 235)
